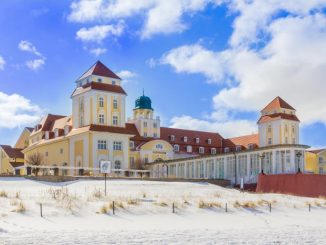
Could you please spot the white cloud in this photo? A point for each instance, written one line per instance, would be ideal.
(126, 75)
(195, 59)
(100, 32)
(2, 63)
(229, 128)
(29, 47)
(160, 16)
(287, 59)
(16, 110)
(34, 64)
(98, 51)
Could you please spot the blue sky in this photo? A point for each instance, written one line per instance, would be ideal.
(208, 65)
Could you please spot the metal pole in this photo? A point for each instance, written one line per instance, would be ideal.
(105, 184)
(226, 207)
(41, 211)
(113, 208)
(172, 207)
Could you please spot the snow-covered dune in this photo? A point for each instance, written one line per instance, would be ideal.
(79, 212)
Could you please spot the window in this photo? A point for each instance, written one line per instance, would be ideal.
(115, 120)
(99, 80)
(197, 140)
(113, 82)
(146, 160)
(101, 144)
(115, 104)
(47, 135)
(201, 150)
(66, 129)
(101, 119)
(56, 133)
(286, 128)
(251, 146)
(117, 164)
(145, 134)
(293, 130)
(293, 140)
(81, 121)
(172, 137)
(213, 151)
(117, 145)
(145, 124)
(155, 135)
(132, 162)
(46, 154)
(131, 144)
(321, 159)
(238, 148)
(159, 147)
(185, 139)
(209, 141)
(155, 125)
(269, 129)
(176, 148)
(189, 148)
(286, 140)
(226, 149)
(61, 151)
(101, 102)
(269, 141)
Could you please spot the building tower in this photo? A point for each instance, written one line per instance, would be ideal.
(278, 124)
(143, 118)
(98, 98)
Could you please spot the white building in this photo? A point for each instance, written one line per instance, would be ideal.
(275, 149)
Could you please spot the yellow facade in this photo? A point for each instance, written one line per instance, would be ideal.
(316, 161)
(53, 153)
(23, 140)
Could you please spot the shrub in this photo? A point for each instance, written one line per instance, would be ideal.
(132, 201)
(249, 204)
(203, 204)
(104, 209)
(161, 203)
(237, 204)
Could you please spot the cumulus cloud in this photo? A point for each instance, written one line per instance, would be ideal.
(268, 55)
(160, 16)
(2, 63)
(126, 75)
(195, 59)
(34, 64)
(100, 32)
(16, 110)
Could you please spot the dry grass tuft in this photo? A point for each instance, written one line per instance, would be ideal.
(17, 195)
(20, 208)
(3, 194)
(13, 202)
(203, 204)
(97, 194)
(105, 209)
(249, 204)
(318, 204)
(237, 204)
(161, 204)
(131, 201)
(262, 202)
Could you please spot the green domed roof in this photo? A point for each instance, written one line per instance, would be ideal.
(143, 102)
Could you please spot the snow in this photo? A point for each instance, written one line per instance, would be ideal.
(72, 214)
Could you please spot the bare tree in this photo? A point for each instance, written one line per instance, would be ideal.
(35, 159)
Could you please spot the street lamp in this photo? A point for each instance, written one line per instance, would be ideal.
(262, 156)
(299, 154)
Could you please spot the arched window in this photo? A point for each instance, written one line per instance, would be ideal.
(117, 164)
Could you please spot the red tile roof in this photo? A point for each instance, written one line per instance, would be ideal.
(277, 103)
(111, 129)
(272, 117)
(12, 152)
(179, 134)
(99, 86)
(46, 122)
(16, 164)
(30, 129)
(243, 141)
(99, 69)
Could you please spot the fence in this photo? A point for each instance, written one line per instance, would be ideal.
(309, 185)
